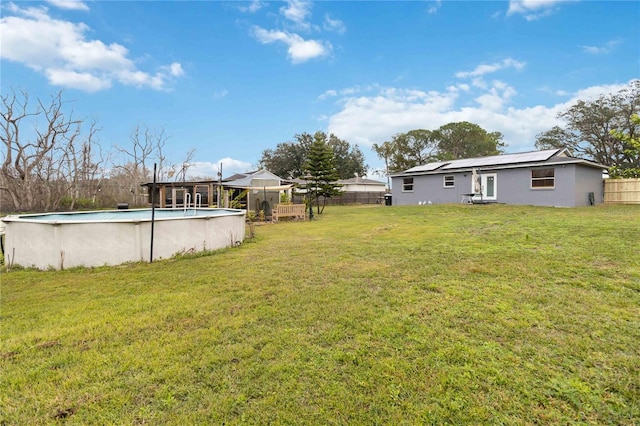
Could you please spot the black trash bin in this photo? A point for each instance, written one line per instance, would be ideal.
(387, 199)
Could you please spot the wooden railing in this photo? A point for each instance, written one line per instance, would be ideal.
(297, 211)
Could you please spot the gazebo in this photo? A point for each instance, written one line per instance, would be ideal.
(263, 189)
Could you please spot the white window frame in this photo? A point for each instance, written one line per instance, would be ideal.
(405, 184)
(544, 178)
(452, 181)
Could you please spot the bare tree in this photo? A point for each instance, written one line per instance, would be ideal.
(184, 167)
(82, 169)
(40, 144)
(146, 145)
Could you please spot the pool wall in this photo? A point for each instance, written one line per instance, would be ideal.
(64, 244)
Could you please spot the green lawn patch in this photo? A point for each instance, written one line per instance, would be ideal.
(367, 315)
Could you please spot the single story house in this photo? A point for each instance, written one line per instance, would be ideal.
(361, 184)
(541, 178)
(355, 190)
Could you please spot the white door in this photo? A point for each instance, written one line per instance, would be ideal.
(489, 186)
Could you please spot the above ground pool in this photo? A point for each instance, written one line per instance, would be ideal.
(96, 238)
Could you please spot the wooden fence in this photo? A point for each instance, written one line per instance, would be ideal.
(622, 191)
(348, 198)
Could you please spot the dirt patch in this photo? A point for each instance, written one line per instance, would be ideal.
(63, 413)
(48, 344)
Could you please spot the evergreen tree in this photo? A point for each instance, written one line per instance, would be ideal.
(321, 172)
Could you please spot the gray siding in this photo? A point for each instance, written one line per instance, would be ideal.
(588, 180)
(513, 186)
(431, 188)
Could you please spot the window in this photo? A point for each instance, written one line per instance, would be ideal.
(543, 178)
(407, 185)
(449, 181)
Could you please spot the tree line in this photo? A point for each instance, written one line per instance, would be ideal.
(51, 160)
(290, 160)
(449, 142)
(602, 130)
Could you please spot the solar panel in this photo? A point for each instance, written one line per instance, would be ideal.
(495, 160)
(429, 167)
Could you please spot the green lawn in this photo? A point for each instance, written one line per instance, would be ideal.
(368, 315)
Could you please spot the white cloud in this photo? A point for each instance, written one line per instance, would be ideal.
(298, 49)
(334, 25)
(369, 119)
(69, 4)
(60, 50)
(175, 69)
(220, 94)
(495, 99)
(483, 69)
(598, 50)
(253, 7)
(209, 169)
(297, 11)
(593, 92)
(376, 117)
(328, 94)
(348, 91)
(534, 9)
(78, 80)
(434, 7)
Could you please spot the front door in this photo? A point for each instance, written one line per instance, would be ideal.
(489, 186)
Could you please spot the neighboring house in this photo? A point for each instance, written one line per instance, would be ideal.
(362, 184)
(541, 178)
(357, 190)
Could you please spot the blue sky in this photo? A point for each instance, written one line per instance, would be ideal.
(231, 79)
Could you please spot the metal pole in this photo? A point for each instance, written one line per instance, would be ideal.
(153, 210)
(220, 187)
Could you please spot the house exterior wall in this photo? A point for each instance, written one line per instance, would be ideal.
(588, 180)
(362, 187)
(430, 188)
(573, 183)
(514, 187)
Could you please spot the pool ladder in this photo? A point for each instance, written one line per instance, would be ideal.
(196, 205)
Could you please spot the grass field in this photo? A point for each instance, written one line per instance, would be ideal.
(368, 315)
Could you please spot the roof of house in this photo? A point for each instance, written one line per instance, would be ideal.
(504, 161)
(250, 178)
(181, 183)
(256, 179)
(360, 181)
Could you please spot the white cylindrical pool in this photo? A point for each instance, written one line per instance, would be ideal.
(96, 238)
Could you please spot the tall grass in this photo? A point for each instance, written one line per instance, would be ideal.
(367, 315)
